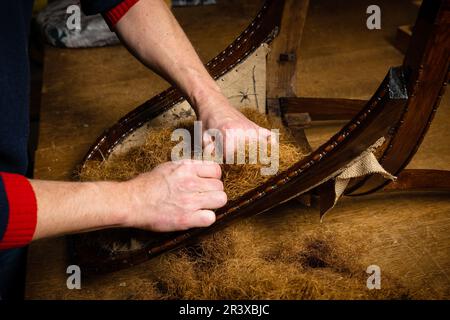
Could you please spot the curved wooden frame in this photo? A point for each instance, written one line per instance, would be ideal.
(387, 114)
(427, 64)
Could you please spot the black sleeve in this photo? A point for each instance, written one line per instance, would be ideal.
(91, 7)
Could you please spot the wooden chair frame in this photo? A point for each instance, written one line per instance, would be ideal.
(401, 111)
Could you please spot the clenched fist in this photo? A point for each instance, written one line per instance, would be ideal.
(175, 196)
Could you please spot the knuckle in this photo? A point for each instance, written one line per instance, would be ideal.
(182, 221)
(188, 183)
(189, 203)
(185, 201)
(179, 199)
(181, 169)
(191, 206)
(189, 169)
(227, 125)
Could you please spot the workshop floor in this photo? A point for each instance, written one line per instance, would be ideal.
(407, 235)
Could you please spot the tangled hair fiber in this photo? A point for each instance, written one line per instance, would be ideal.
(263, 257)
(237, 178)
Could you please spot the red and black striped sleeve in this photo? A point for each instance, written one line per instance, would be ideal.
(112, 10)
(18, 211)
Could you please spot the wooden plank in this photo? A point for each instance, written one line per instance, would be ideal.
(322, 108)
(421, 180)
(283, 60)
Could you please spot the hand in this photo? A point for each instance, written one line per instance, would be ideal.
(175, 196)
(217, 113)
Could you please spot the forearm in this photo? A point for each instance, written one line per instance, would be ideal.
(174, 196)
(153, 35)
(158, 200)
(70, 207)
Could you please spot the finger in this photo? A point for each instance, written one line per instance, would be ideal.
(187, 162)
(200, 218)
(210, 199)
(193, 162)
(236, 136)
(208, 169)
(209, 184)
(201, 168)
(196, 185)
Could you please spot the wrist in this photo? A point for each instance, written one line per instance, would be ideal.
(113, 202)
(210, 103)
(203, 93)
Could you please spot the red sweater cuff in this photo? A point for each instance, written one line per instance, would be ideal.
(22, 216)
(115, 14)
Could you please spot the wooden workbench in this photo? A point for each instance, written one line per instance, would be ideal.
(85, 91)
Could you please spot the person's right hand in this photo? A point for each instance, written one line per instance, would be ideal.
(175, 196)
